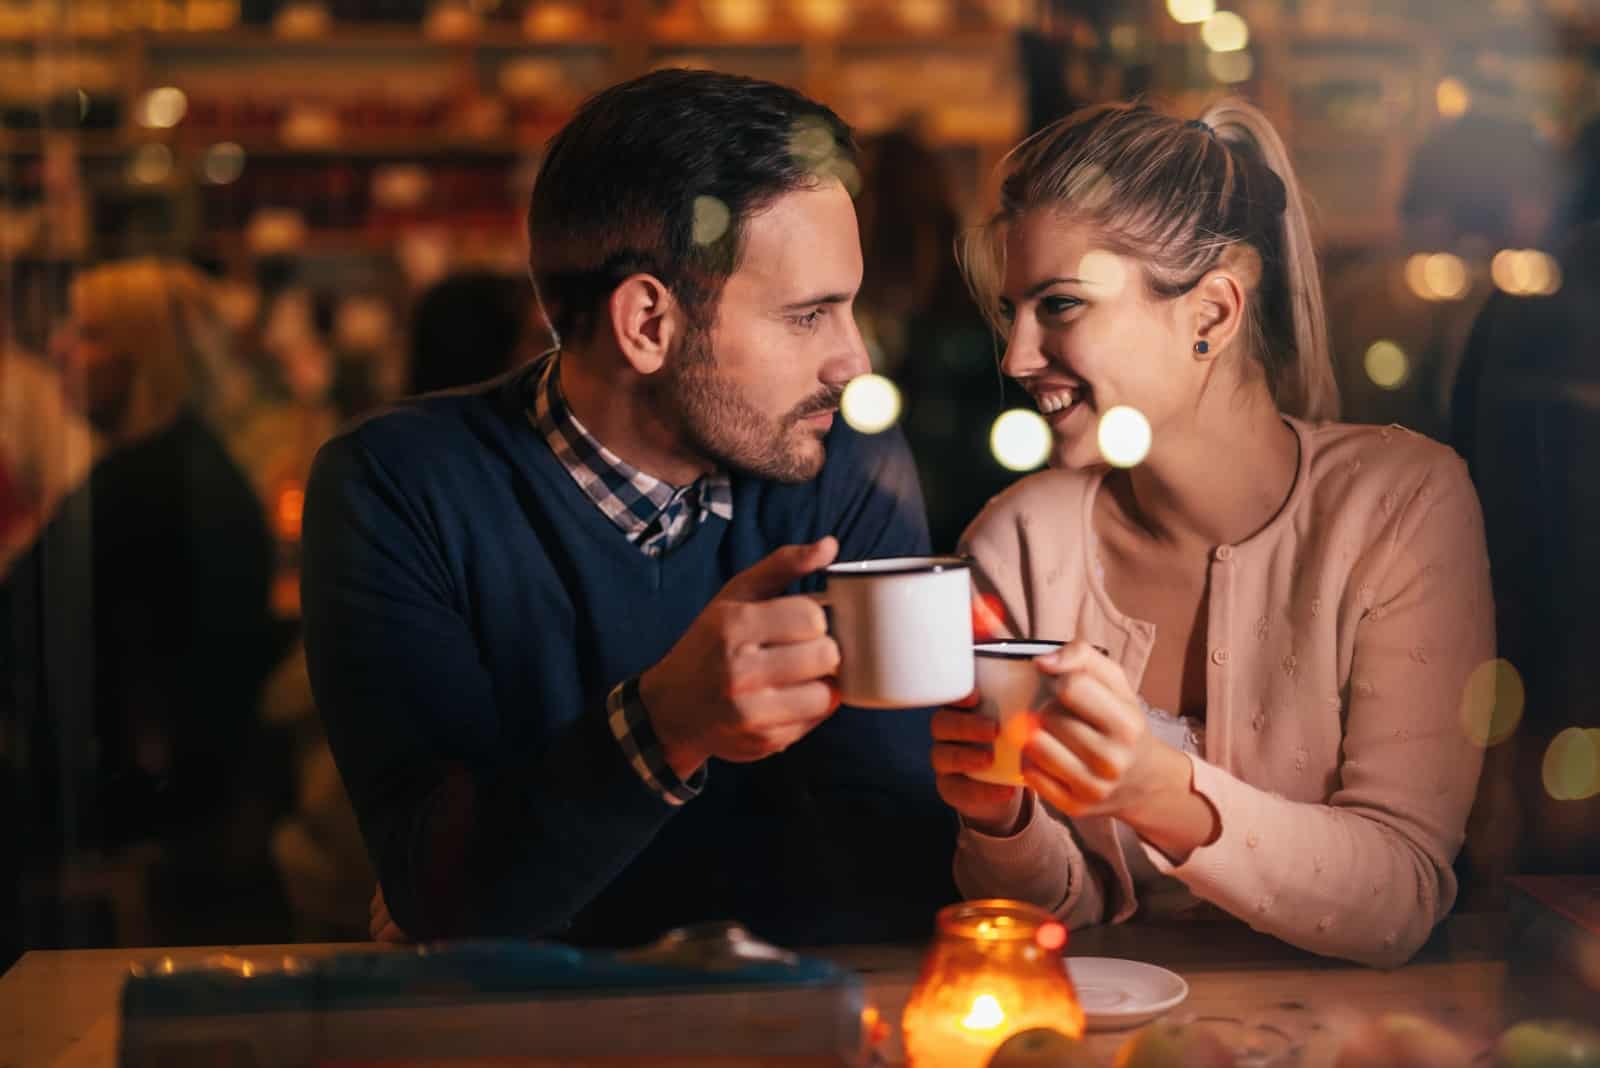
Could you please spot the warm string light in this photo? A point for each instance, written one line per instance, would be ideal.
(1526, 272)
(1386, 365)
(1492, 703)
(1124, 436)
(1225, 32)
(1438, 276)
(1020, 440)
(870, 404)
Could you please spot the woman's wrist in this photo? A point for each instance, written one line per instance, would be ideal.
(1173, 817)
(1010, 825)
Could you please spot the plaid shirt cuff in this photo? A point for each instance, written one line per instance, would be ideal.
(630, 725)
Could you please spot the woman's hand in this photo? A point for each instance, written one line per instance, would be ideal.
(963, 741)
(1093, 754)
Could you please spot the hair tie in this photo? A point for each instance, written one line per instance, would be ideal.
(1201, 124)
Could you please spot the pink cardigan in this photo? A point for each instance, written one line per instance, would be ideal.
(1341, 638)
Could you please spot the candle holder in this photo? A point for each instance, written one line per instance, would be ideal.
(995, 969)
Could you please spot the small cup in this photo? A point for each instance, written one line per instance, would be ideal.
(1009, 684)
(904, 628)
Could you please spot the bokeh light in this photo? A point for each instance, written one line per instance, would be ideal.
(738, 17)
(823, 16)
(870, 404)
(1437, 276)
(988, 617)
(163, 108)
(1103, 273)
(1189, 11)
(1230, 68)
(1225, 32)
(711, 218)
(150, 165)
(1492, 702)
(1526, 272)
(1452, 98)
(924, 16)
(223, 163)
(1020, 440)
(1386, 365)
(1051, 936)
(1572, 765)
(1124, 436)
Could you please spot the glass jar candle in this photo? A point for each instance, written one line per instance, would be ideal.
(995, 969)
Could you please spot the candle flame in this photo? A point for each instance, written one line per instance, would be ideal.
(985, 1015)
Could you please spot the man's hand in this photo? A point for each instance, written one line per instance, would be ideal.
(754, 672)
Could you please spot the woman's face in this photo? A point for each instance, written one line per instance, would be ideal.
(98, 379)
(1087, 335)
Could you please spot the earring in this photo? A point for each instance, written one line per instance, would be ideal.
(1202, 347)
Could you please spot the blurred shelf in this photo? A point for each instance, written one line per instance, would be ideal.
(376, 39)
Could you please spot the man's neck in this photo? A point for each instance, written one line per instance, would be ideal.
(623, 411)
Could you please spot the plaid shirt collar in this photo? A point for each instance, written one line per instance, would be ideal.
(654, 515)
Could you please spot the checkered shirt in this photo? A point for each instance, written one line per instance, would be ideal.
(655, 516)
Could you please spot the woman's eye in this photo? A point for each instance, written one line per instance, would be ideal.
(1058, 305)
(1007, 313)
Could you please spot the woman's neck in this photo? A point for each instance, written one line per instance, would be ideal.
(1216, 481)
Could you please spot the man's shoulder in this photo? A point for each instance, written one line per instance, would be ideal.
(452, 430)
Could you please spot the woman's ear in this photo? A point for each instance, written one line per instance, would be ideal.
(1217, 305)
(645, 321)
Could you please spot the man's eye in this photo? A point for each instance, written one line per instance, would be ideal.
(808, 320)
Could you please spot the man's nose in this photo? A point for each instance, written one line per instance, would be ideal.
(852, 359)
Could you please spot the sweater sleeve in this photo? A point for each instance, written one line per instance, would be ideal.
(1041, 863)
(462, 844)
(1367, 875)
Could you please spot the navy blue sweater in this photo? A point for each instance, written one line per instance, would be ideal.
(467, 609)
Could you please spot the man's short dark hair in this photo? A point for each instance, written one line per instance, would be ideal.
(659, 175)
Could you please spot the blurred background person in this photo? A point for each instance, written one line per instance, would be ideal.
(469, 327)
(924, 330)
(155, 753)
(1478, 184)
(1527, 419)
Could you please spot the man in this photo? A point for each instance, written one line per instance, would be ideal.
(546, 619)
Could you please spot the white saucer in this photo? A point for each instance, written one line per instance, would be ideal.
(1118, 994)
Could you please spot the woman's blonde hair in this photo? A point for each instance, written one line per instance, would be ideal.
(162, 316)
(1179, 197)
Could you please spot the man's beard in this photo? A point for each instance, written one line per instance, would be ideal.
(723, 426)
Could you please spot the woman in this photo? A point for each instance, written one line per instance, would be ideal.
(1304, 599)
(165, 552)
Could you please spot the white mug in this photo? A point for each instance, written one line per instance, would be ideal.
(904, 628)
(1009, 684)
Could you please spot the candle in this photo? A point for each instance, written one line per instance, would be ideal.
(994, 970)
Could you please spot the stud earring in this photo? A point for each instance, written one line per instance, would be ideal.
(1202, 347)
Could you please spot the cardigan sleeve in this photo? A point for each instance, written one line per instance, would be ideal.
(1043, 862)
(402, 689)
(1367, 875)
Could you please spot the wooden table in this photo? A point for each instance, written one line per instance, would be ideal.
(58, 1008)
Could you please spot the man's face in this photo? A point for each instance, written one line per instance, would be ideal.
(758, 391)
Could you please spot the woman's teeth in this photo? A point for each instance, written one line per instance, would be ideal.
(1059, 401)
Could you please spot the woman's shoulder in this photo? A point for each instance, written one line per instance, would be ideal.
(1051, 499)
(1383, 469)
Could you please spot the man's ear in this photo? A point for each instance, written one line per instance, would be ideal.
(645, 320)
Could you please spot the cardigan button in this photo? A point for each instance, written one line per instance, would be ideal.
(1224, 553)
(1219, 656)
